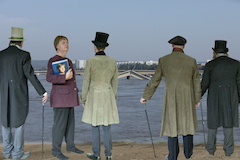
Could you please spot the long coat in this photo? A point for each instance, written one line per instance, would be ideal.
(64, 93)
(182, 91)
(99, 91)
(221, 78)
(16, 70)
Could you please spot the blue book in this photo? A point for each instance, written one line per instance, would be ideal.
(60, 67)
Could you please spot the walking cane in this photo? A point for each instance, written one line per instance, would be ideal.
(42, 128)
(149, 128)
(203, 123)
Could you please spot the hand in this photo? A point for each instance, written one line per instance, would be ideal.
(83, 105)
(142, 100)
(69, 74)
(44, 99)
(197, 104)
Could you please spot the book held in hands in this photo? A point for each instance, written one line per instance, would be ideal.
(60, 67)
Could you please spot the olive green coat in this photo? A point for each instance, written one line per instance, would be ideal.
(182, 91)
(99, 91)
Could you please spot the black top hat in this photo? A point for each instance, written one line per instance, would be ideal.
(220, 46)
(178, 40)
(101, 39)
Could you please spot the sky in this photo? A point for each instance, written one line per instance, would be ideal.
(139, 29)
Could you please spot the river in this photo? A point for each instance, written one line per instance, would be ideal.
(133, 125)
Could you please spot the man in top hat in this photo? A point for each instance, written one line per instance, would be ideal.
(221, 78)
(182, 95)
(99, 95)
(16, 70)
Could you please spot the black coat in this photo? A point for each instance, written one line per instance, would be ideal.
(16, 70)
(222, 79)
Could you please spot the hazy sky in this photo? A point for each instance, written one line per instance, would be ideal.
(139, 29)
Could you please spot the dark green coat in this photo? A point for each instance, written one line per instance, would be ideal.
(222, 80)
(182, 91)
(16, 70)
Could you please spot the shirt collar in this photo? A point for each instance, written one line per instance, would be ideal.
(221, 54)
(15, 45)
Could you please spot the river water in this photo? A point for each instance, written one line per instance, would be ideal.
(133, 125)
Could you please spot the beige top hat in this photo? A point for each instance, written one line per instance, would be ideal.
(17, 34)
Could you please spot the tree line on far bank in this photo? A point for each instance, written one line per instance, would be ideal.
(137, 66)
(144, 67)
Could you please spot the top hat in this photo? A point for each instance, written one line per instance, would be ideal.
(178, 40)
(101, 39)
(17, 34)
(220, 46)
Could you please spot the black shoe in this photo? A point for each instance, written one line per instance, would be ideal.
(61, 157)
(228, 154)
(108, 157)
(91, 156)
(78, 151)
(211, 153)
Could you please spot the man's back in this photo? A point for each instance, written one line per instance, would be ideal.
(222, 79)
(103, 69)
(99, 91)
(178, 70)
(223, 71)
(16, 69)
(182, 91)
(11, 64)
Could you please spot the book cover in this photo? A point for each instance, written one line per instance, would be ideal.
(60, 67)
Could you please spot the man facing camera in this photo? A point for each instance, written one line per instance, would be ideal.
(182, 95)
(99, 94)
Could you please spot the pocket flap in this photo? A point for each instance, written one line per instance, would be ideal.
(64, 91)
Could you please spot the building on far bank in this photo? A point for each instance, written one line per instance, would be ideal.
(151, 62)
(80, 64)
(129, 62)
(201, 65)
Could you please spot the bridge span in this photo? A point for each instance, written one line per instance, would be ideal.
(139, 74)
(81, 72)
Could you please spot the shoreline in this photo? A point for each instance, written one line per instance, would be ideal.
(128, 151)
(134, 142)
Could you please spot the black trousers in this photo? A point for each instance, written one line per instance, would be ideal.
(64, 124)
(173, 147)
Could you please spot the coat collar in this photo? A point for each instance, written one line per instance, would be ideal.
(101, 53)
(177, 50)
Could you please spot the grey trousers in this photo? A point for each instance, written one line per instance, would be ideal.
(228, 145)
(107, 140)
(16, 149)
(64, 125)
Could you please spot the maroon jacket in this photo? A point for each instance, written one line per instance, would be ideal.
(64, 93)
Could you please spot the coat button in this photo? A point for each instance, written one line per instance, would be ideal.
(219, 85)
(75, 89)
(74, 80)
(11, 80)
